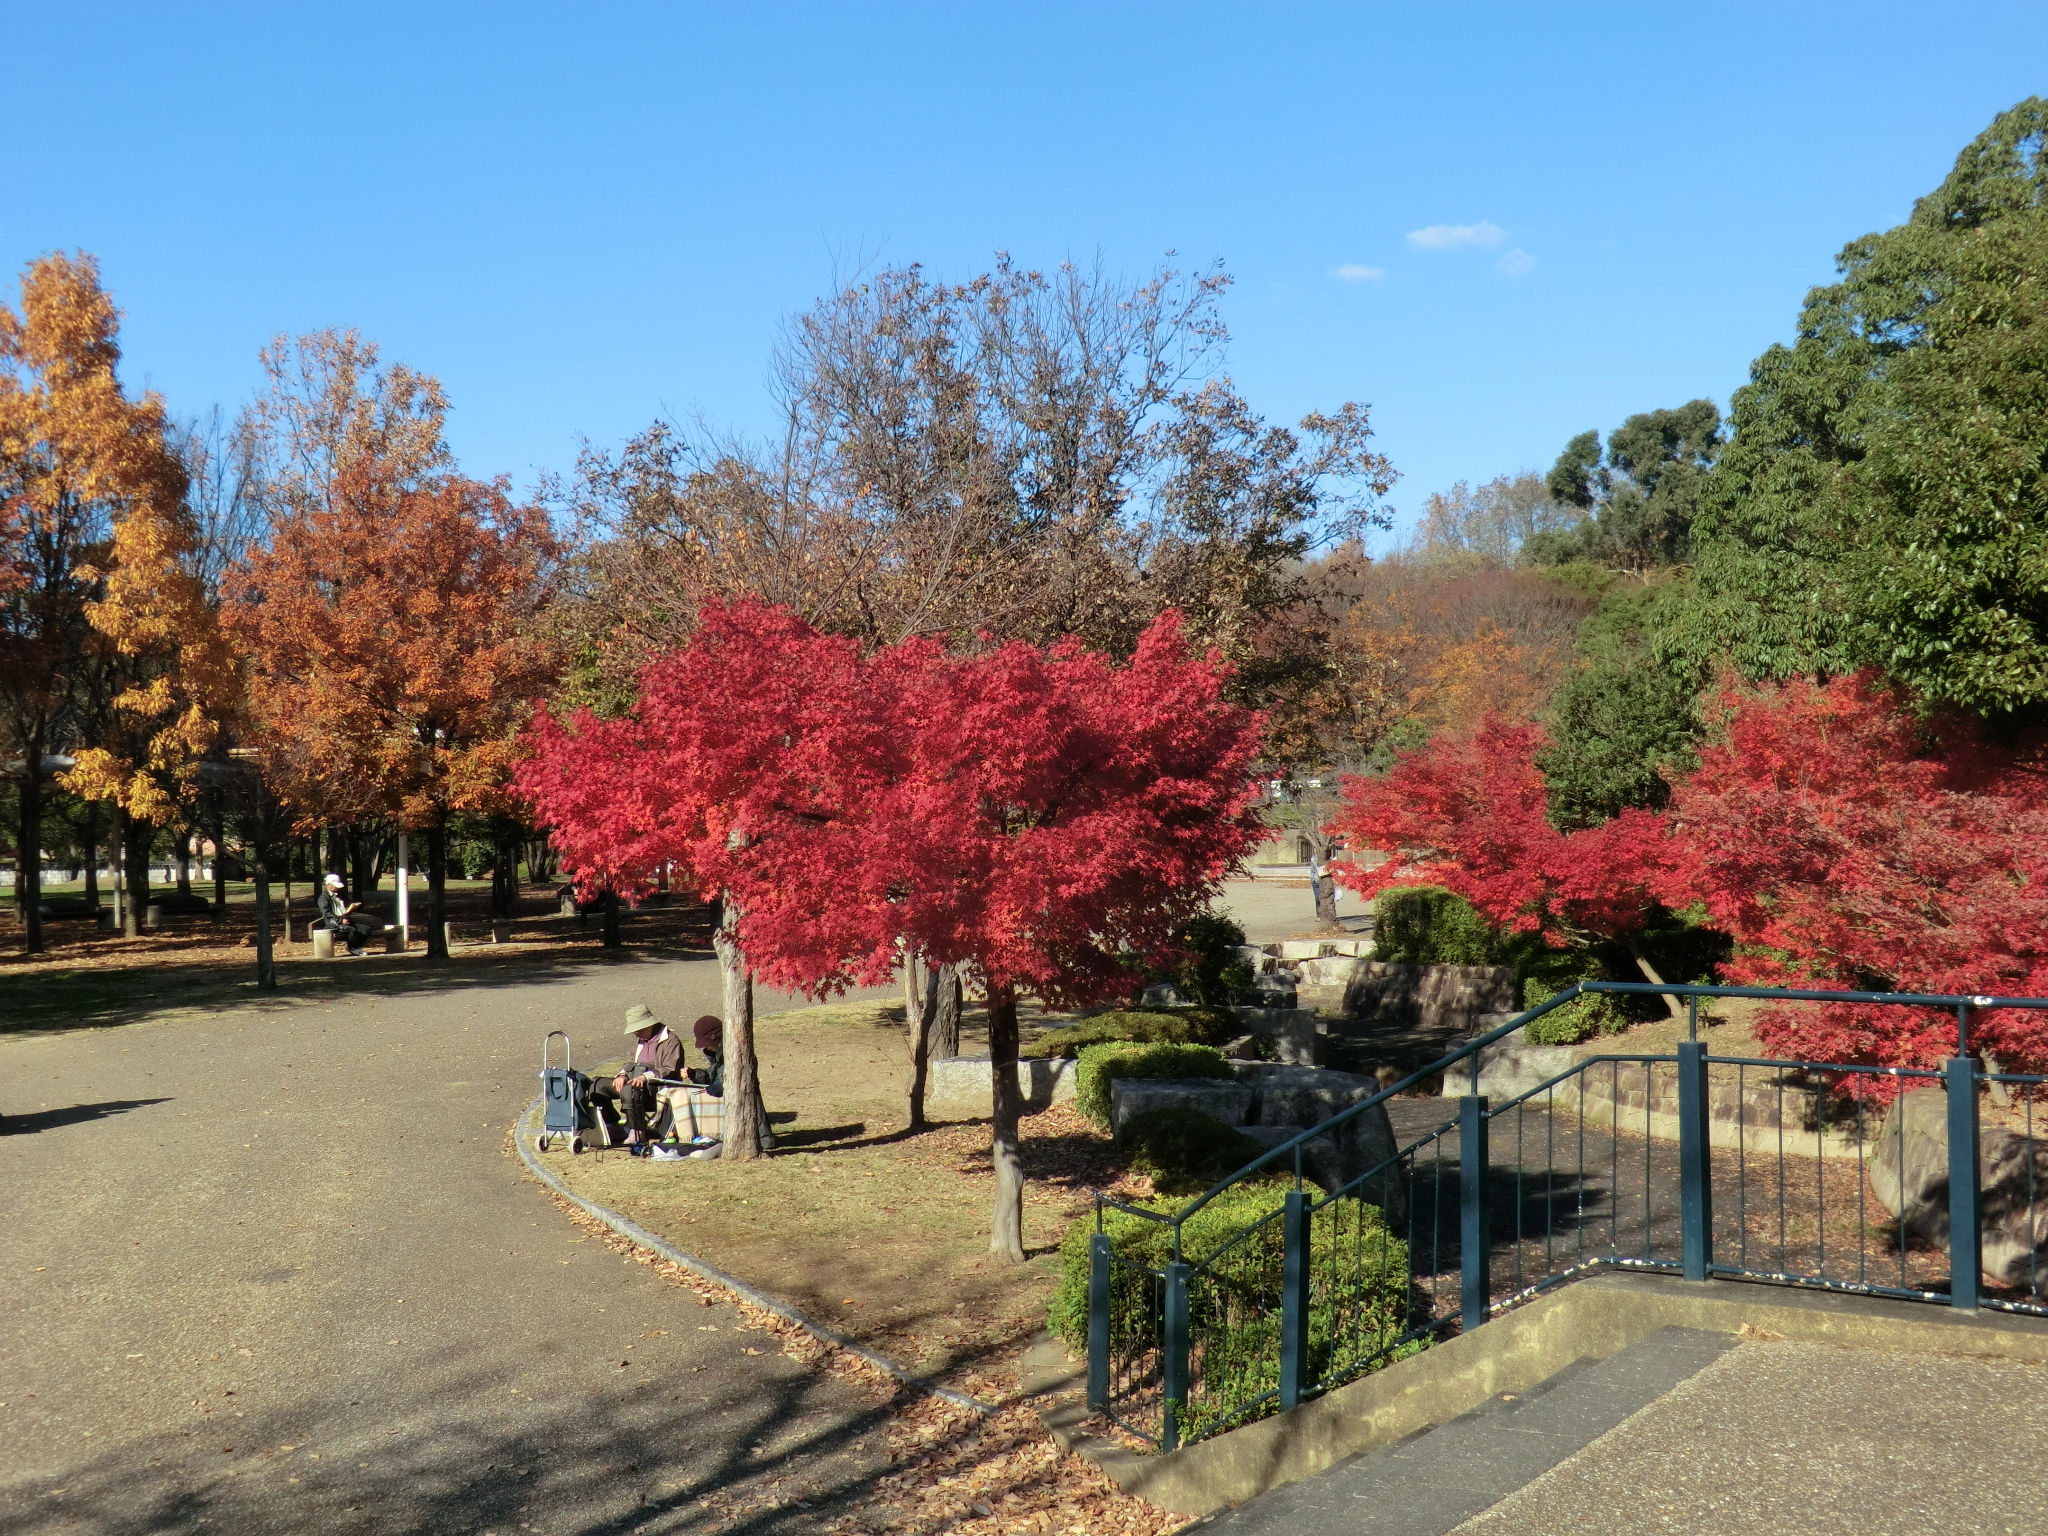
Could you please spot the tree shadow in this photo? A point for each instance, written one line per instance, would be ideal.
(76, 1114)
(655, 1457)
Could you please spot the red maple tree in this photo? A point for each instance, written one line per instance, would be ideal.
(1045, 817)
(1847, 843)
(1469, 813)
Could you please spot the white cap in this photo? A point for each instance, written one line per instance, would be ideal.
(334, 882)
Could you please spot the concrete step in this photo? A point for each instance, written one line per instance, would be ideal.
(1438, 1478)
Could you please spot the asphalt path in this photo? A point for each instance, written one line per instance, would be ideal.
(272, 1268)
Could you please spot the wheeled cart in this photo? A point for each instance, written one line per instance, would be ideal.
(565, 1093)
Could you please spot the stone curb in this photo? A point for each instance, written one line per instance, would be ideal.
(634, 1233)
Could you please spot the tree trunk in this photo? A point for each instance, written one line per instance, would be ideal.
(609, 905)
(437, 886)
(922, 1017)
(181, 845)
(1006, 1236)
(28, 865)
(92, 852)
(505, 874)
(1650, 975)
(945, 1039)
(220, 871)
(362, 878)
(135, 850)
(913, 991)
(742, 1073)
(259, 869)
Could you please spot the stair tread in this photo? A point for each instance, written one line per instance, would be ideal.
(1434, 1480)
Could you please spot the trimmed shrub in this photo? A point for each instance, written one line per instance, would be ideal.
(1122, 1058)
(1179, 1026)
(1427, 925)
(1347, 1237)
(1183, 1150)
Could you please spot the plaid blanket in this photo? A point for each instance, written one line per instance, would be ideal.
(697, 1113)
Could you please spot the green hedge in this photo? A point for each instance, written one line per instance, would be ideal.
(1183, 1150)
(1178, 1026)
(1427, 925)
(1347, 1238)
(1122, 1058)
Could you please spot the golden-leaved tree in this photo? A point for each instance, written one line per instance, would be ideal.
(394, 646)
(93, 527)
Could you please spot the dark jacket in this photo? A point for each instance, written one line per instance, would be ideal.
(332, 905)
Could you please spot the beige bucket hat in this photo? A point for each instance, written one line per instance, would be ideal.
(639, 1017)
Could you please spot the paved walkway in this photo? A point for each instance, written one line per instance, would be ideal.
(1688, 1431)
(274, 1269)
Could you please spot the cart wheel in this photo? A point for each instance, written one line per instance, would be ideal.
(540, 1142)
(576, 1142)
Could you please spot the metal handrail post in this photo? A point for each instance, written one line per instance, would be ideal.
(1475, 1217)
(1176, 1364)
(1695, 1160)
(1098, 1322)
(1965, 1238)
(1294, 1298)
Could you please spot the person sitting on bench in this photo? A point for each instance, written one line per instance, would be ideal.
(339, 915)
(657, 1054)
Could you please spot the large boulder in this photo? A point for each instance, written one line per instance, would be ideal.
(1909, 1175)
(965, 1085)
(1286, 1100)
(1290, 1031)
(1218, 1098)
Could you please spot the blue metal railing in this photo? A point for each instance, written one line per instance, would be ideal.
(1691, 1164)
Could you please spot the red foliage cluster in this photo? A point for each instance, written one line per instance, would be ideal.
(1035, 813)
(1468, 813)
(1845, 843)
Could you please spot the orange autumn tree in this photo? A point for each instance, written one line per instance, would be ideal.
(392, 644)
(91, 496)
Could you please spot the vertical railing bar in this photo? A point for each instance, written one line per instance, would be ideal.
(1862, 1200)
(1614, 1160)
(1520, 1198)
(2033, 1249)
(1549, 1179)
(1783, 1260)
(1649, 1094)
(1742, 1158)
(1475, 1237)
(1965, 1240)
(1820, 1176)
(1098, 1321)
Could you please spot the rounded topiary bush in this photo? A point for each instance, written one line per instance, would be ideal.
(1177, 1026)
(1184, 1151)
(1101, 1064)
(1427, 925)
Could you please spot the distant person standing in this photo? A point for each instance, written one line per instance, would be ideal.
(1315, 883)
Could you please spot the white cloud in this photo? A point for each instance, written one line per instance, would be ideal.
(1350, 273)
(1514, 263)
(1448, 237)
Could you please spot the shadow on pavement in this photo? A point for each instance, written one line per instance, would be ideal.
(76, 1114)
(645, 1459)
(86, 997)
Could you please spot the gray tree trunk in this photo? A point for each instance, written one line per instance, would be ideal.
(437, 887)
(1006, 1235)
(945, 1039)
(266, 955)
(922, 1016)
(742, 1073)
(28, 864)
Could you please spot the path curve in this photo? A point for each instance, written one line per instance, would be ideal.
(267, 1268)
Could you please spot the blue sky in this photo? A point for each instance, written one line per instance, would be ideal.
(581, 216)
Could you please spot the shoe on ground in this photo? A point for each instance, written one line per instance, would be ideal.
(668, 1154)
(703, 1154)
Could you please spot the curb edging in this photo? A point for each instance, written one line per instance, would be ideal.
(638, 1235)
